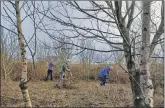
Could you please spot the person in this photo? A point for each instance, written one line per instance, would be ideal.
(104, 75)
(50, 70)
(64, 68)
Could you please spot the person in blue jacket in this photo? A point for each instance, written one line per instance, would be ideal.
(104, 75)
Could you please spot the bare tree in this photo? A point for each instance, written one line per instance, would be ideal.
(9, 52)
(116, 24)
(24, 79)
(119, 16)
(86, 56)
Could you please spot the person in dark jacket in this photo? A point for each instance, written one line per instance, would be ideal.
(104, 75)
(50, 70)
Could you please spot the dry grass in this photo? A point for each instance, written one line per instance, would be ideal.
(118, 75)
(79, 94)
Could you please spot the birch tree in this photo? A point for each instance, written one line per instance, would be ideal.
(24, 79)
(13, 17)
(119, 25)
(147, 89)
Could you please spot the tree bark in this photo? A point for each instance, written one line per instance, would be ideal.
(145, 77)
(133, 72)
(23, 81)
(134, 78)
(142, 87)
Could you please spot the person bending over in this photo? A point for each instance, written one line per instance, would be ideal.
(104, 75)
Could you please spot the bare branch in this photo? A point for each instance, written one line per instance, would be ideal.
(130, 17)
(159, 31)
(78, 45)
(79, 8)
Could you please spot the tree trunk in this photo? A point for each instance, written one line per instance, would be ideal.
(133, 72)
(135, 80)
(145, 77)
(23, 81)
(141, 83)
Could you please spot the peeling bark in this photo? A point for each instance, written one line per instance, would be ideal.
(23, 82)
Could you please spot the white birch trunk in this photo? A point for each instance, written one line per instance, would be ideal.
(145, 77)
(23, 82)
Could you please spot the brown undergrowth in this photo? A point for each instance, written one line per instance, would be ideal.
(82, 90)
(79, 94)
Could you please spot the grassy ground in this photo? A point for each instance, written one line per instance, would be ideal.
(77, 94)
(80, 93)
